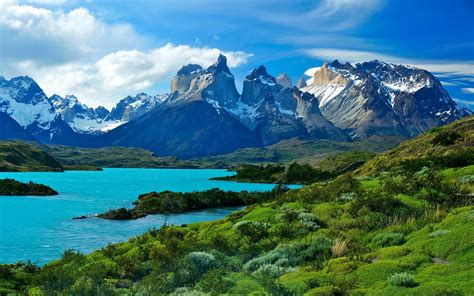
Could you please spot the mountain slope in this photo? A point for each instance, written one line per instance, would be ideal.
(10, 129)
(446, 146)
(20, 156)
(186, 130)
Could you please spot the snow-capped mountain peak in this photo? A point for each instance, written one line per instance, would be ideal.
(23, 99)
(377, 96)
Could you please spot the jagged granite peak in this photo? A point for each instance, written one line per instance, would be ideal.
(189, 69)
(257, 85)
(219, 66)
(215, 85)
(380, 98)
(284, 80)
(301, 82)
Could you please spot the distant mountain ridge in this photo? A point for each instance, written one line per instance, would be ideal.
(205, 115)
(380, 98)
(42, 118)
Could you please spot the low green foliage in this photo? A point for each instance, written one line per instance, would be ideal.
(402, 279)
(12, 187)
(168, 202)
(388, 239)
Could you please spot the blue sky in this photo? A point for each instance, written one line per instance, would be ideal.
(104, 50)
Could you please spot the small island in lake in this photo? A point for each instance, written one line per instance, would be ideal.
(168, 202)
(13, 187)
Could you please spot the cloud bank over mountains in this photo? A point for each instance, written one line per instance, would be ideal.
(75, 52)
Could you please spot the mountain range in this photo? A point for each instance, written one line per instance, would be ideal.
(205, 115)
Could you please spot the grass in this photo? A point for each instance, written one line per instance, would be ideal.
(18, 156)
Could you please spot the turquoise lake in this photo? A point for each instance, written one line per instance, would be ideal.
(41, 228)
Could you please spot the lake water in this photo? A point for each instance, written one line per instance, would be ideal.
(41, 228)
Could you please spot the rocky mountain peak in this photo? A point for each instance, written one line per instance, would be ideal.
(381, 98)
(260, 74)
(301, 82)
(284, 80)
(219, 66)
(189, 70)
(257, 85)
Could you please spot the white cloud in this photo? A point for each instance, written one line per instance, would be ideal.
(48, 2)
(74, 52)
(469, 90)
(122, 73)
(48, 36)
(327, 15)
(447, 68)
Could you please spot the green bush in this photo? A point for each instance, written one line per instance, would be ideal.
(252, 229)
(446, 138)
(438, 233)
(402, 279)
(388, 239)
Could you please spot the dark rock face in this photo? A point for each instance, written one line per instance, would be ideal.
(186, 129)
(317, 126)
(376, 98)
(274, 126)
(59, 132)
(257, 85)
(11, 130)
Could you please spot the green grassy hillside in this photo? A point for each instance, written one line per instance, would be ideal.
(304, 151)
(448, 146)
(20, 156)
(116, 157)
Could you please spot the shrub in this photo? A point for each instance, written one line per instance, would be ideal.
(402, 279)
(289, 214)
(254, 230)
(349, 196)
(438, 233)
(283, 255)
(469, 179)
(320, 246)
(309, 221)
(378, 202)
(273, 270)
(446, 138)
(201, 261)
(388, 239)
